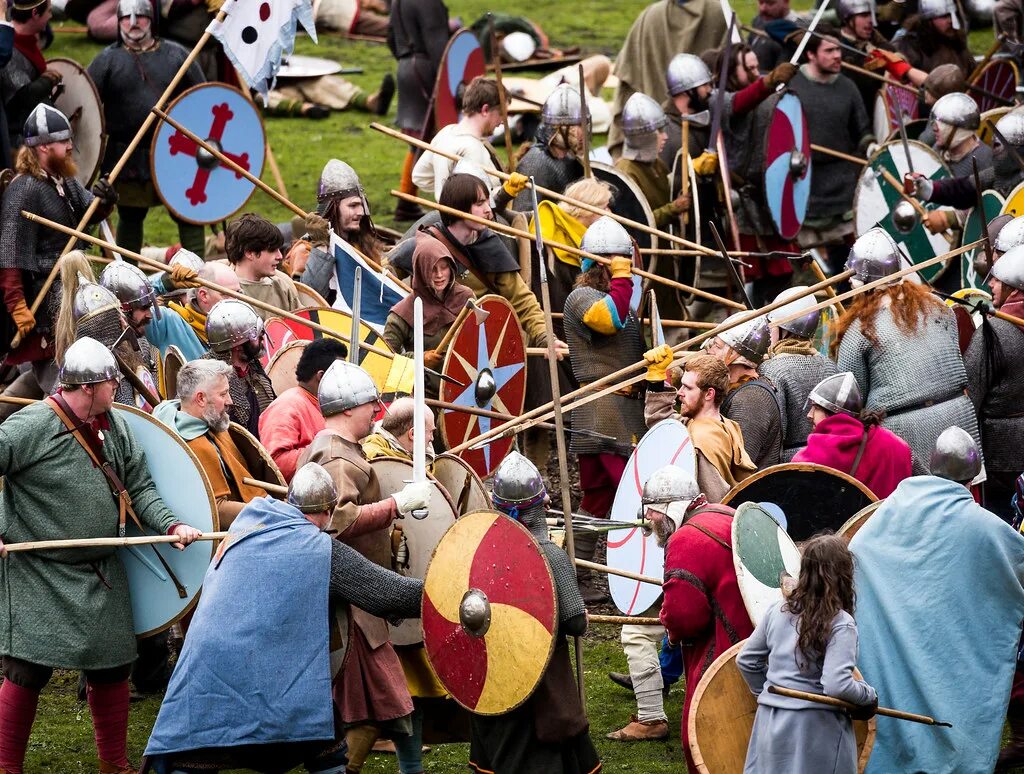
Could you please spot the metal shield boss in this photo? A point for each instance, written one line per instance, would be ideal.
(803, 497)
(787, 165)
(421, 535)
(489, 613)
(463, 60)
(488, 363)
(876, 203)
(192, 182)
(637, 550)
(80, 102)
(160, 598)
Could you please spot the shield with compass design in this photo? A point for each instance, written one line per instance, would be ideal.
(487, 361)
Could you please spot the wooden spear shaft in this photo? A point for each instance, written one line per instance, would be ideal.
(615, 571)
(114, 542)
(501, 228)
(144, 261)
(831, 701)
(695, 324)
(551, 194)
(502, 96)
(268, 486)
(624, 619)
(268, 190)
(116, 171)
(616, 379)
(621, 379)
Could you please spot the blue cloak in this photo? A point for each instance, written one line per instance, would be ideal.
(255, 666)
(940, 602)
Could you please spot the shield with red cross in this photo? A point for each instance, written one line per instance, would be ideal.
(489, 615)
(487, 363)
(192, 182)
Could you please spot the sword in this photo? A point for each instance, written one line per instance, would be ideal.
(723, 79)
(657, 332)
(585, 134)
(728, 262)
(357, 304)
(795, 59)
(728, 15)
(419, 410)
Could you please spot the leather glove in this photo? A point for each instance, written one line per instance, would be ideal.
(104, 191)
(23, 318)
(516, 184)
(864, 711)
(706, 163)
(621, 267)
(939, 221)
(919, 186)
(181, 276)
(895, 64)
(433, 359)
(782, 73)
(317, 229)
(412, 497)
(659, 360)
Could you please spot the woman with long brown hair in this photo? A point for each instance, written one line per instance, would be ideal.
(901, 344)
(808, 641)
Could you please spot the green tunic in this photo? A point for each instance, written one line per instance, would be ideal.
(55, 609)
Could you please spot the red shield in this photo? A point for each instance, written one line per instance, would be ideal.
(489, 613)
(787, 166)
(997, 85)
(463, 61)
(488, 364)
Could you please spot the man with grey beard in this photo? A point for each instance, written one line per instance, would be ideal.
(200, 416)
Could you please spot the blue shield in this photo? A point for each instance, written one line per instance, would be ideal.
(193, 184)
(157, 601)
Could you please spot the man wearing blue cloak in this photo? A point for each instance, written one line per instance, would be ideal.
(931, 548)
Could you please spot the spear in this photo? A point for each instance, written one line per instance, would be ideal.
(111, 542)
(833, 702)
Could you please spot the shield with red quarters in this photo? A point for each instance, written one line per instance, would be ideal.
(787, 166)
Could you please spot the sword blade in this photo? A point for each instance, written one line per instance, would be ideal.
(795, 59)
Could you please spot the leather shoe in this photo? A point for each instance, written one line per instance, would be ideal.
(620, 678)
(641, 731)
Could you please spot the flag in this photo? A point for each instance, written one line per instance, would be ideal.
(255, 35)
(380, 292)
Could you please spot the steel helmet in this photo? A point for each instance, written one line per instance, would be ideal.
(1010, 235)
(606, 237)
(642, 115)
(563, 107)
(517, 483)
(750, 340)
(955, 456)
(231, 323)
(838, 394)
(1009, 268)
(803, 326)
(874, 255)
(87, 361)
(345, 386)
(312, 489)
(685, 72)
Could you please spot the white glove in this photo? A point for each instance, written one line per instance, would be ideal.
(413, 497)
(923, 187)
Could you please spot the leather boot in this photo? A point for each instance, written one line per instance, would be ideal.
(641, 731)
(111, 768)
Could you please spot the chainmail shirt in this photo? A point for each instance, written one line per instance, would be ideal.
(250, 394)
(755, 408)
(794, 376)
(997, 395)
(917, 378)
(571, 611)
(365, 584)
(547, 171)
(594, 356)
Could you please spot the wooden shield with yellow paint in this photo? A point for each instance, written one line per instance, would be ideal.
(489, 613)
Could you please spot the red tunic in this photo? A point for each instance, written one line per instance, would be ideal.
(702, 608)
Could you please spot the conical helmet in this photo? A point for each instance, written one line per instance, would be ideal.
(955, 456)
(312, 489)
(837, 394)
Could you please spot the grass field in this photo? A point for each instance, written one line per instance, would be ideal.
(62, 740)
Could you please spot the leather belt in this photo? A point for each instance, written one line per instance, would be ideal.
(925, 404)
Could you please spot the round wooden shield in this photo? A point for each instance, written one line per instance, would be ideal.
(858, 520)
(339, 633)
(988, 119)
(993, 203)
(890, 103)
(280, 332)
(298, 66)
(721, 719)
(309, 297)
(490, 359)
(667, 443)
(421, 535)
(463, 60)
(258, 462)
(874, 200)
(489, 613)
(157, 601)
(814, 498)
(191, 182)
(1014, 204)
(997, 85)
(787, 165)
(169, 367)
(78, 99)
(763, 554)
(281, 368)
(629, 201)
(461, 483)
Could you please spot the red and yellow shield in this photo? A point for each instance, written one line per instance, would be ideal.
(489, 613)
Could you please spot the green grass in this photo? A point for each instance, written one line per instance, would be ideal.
(62, 738)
